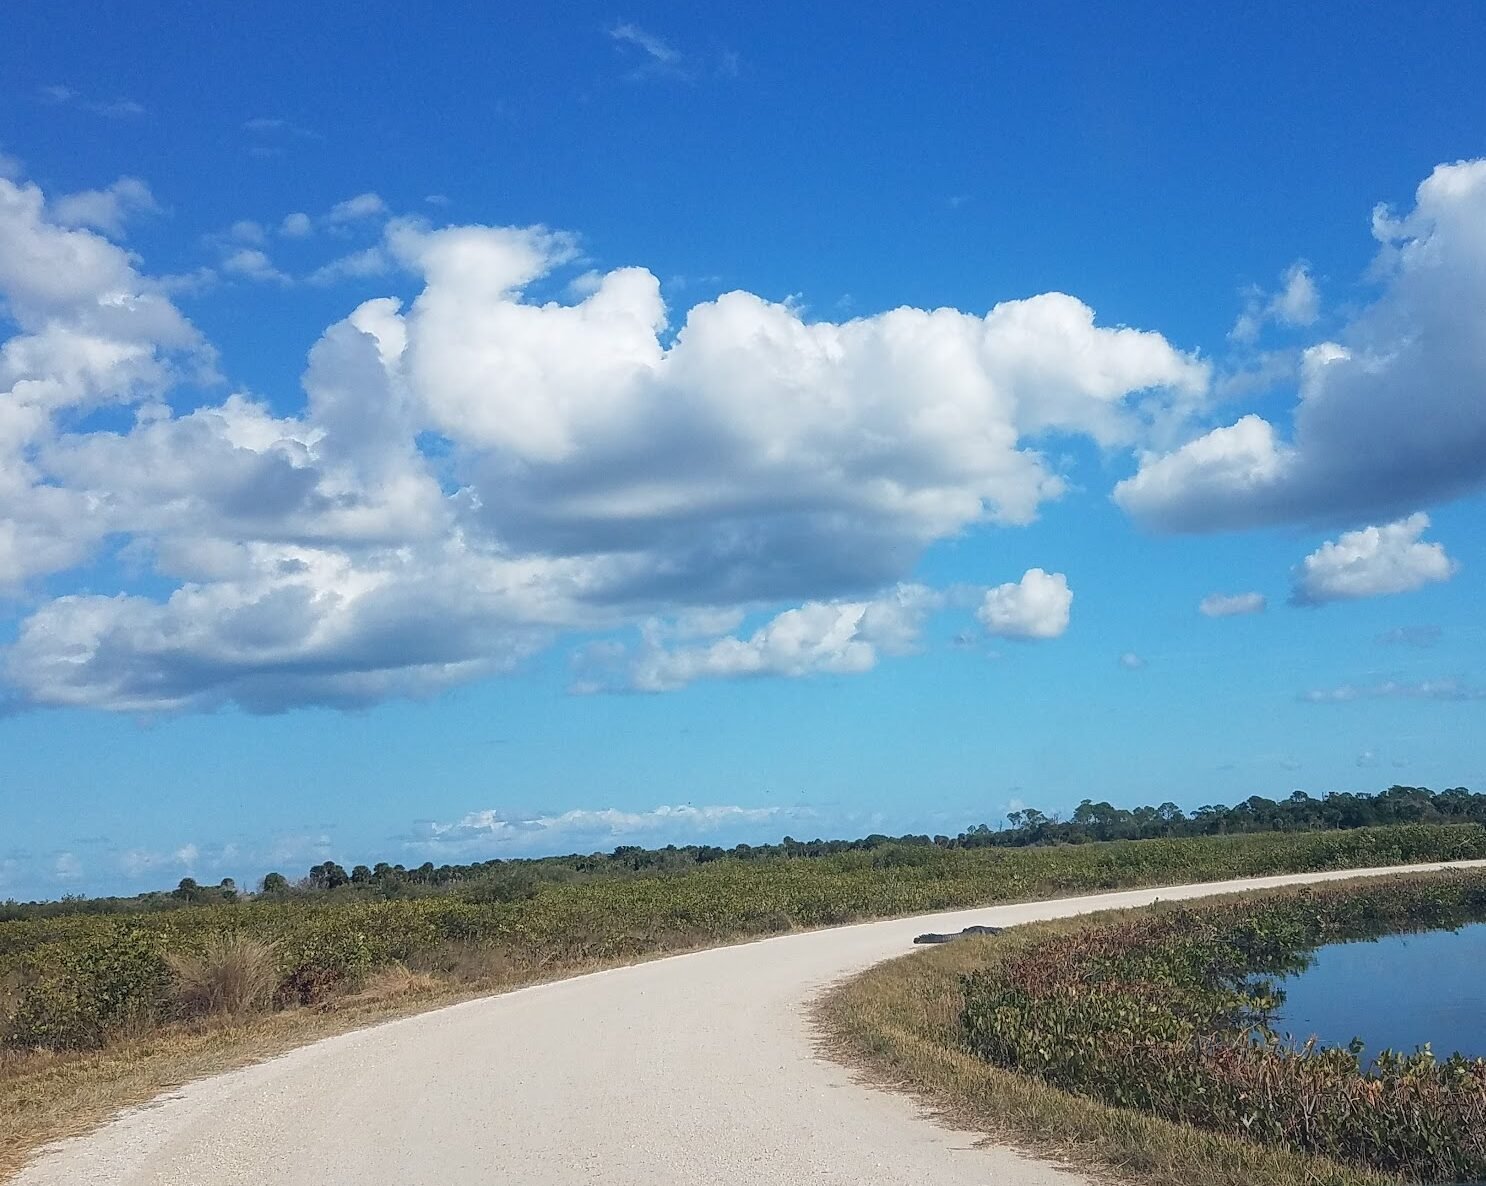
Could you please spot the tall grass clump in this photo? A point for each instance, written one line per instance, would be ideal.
(229, 975)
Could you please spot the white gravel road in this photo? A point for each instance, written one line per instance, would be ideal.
(691, 1070)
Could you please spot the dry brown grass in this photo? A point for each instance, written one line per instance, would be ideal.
(896, 1024)
(232, 975)
(396, 982)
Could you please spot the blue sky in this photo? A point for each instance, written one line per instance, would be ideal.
(448, 434)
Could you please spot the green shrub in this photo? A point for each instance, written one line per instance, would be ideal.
(519, 885)
(83, 995)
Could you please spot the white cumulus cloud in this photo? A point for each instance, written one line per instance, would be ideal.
(1297, 303)
(1371, 562)
(108, 210)
(593, 465)
(253, 264)
(1037, 606)
(362, 206)
(1390, 416)
(840, 638)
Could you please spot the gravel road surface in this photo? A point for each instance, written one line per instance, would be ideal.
(691, 1070)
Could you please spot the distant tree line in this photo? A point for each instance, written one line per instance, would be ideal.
(1090, 821)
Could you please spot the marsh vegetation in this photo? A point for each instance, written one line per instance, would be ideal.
(1141, 1041)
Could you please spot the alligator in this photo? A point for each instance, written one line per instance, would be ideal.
(930, 937)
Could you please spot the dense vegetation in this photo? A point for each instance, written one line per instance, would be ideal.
(1090, 822)
(1165, 1012)
(76, 981)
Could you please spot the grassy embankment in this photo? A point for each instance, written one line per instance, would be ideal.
(1125, 1043)
(98, 1012)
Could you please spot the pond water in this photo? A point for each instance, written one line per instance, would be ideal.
(1397, 992)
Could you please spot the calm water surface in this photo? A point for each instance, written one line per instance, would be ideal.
(1400, 992)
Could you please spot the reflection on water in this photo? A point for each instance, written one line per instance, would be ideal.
(1397, 992)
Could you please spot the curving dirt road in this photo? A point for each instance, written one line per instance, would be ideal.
(691, 1070)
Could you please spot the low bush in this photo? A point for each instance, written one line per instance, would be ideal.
(84, 994)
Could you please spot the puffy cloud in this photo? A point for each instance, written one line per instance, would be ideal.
(286, 627)
(253, 264)
(1370, 562)
(358, 265)
(107, 210)
(1130, 661)
(245, 230)
(357, 208)
(1227, 605)
(1035, 607)
(472, 474)
(91, 331)
(297, 225)
(1390, 417)
(1297, 303)
(1435, 689)
(838, 638)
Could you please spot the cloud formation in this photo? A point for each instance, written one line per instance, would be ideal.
(1390, 416)
(65, 96)
(1297, 303)
(1409, 636)
(1037, 606)
(655, 48)
(474, 473)
(108, 210)
(1436, 689)
(1228, 605)
(829, 638)
(493, 830)
(1372, 562)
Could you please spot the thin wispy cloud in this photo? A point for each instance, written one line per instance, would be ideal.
(656, 48)
(496, 830)
(271, 136)
(65, 96)
(654, 56)
(266, 126)
(1228, 605)
(1409, 636)
(1435, 689)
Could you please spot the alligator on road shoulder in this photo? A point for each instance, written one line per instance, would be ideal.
(933, 938)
